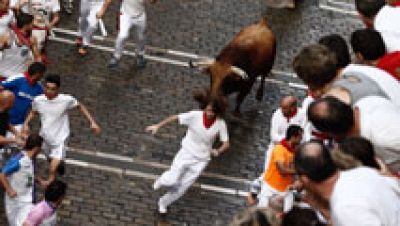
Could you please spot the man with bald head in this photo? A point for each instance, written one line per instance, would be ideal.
(287, 114)
(350, 195)
(374, 118)
(7, 99)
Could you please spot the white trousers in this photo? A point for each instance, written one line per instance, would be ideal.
(266, 193)
(125, 24)
(58, 151)
(16, 211)
(88, 22)
(184, 171)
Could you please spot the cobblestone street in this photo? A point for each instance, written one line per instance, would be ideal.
(125, 100)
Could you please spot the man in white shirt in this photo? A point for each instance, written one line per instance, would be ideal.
(17, 179)
(52, 108)
(360, 196)
(379, 15)
(19, 47)
(46, 16)
(197, 147)
(90, 13)
(336, 44)
(374, 118)
(132, 14)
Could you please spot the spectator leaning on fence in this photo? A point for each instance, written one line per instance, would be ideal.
(351, 195)
(370, 49)
(374, 118)
(382, 17)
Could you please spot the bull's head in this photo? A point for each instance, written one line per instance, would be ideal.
(218, 72)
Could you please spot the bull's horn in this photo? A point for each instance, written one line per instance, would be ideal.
(239, 72)
(201, 64)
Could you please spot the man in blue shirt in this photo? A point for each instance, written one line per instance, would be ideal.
(25, 88)
(17, 179)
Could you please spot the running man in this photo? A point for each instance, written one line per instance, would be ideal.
(19, 48)
(46, 15)
(52, 107)
(132, 14)
(17, 179)
(90, 13)
(197, 147)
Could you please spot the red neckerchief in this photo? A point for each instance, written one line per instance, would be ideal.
(396, 4)
(21, 37)
(3, 13)
(208, 122)
(29, 79)
(291, 115)
(286, 145)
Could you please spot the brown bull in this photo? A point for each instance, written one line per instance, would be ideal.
(250, 54)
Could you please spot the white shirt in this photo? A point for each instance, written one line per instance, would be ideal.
(6, 21)
(362, 196)
(198, 139)
(21, 180)
(387, 23)
(387, 83)
(54, 116)
(15, 59)
(380, 123)
(133, 8)
(279, 124)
